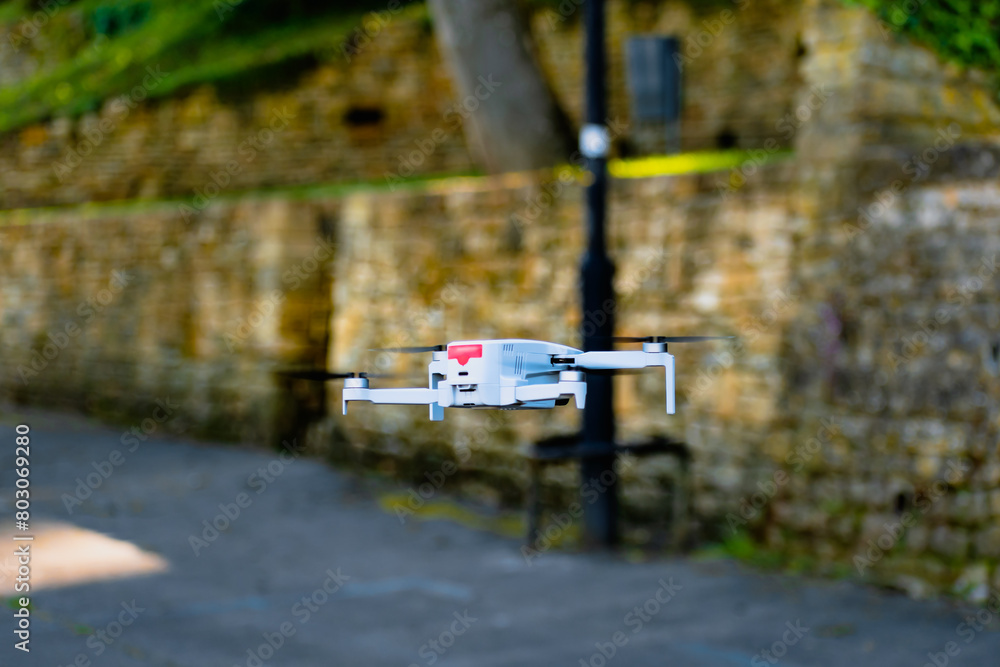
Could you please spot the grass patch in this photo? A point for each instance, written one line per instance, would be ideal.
(741, 547)
(103, 48)
(401, 504)
(15, 604)
(12, 11)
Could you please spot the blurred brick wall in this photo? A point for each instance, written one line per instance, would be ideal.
(391, 110)
(339, 121)
(895, 264)
(857, 428)
(740, 66)
(500, 258)
(110, 310)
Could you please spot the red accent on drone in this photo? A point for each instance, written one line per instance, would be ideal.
(462, 353)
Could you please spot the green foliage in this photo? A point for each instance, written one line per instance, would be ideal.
(15, 604)
(744, 548)
(111, 20)
(966, 32)
(93, 50)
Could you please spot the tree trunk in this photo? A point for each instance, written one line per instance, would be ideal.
(513, 121)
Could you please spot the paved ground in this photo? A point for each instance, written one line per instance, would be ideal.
(423, 593)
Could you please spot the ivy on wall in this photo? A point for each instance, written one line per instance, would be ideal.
(966, 32)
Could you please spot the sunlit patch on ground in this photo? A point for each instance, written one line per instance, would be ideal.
(66, 555)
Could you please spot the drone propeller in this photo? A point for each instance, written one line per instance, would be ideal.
(668, 339)
(320, 375)
(409, 350)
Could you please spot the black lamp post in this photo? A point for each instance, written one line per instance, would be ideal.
(596, 282)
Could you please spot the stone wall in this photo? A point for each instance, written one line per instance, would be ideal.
(501, 259)
(829, 420)
(858, 407)
(336, 121)
(728, 100)
(110, 309)
(389, 110)
(899, 191)
(887, 103)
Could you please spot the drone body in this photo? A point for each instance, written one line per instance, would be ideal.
(511, 374)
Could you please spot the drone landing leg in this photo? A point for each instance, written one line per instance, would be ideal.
(668, 368)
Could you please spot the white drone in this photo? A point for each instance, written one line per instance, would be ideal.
(510, 374)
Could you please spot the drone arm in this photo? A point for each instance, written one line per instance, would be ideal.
(611, 360)
(391, 396)
(403, 396)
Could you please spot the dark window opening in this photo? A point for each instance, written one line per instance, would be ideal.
(800, 48)
(992, 360)
(902, 502)
(362, 116)
(726, 140)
